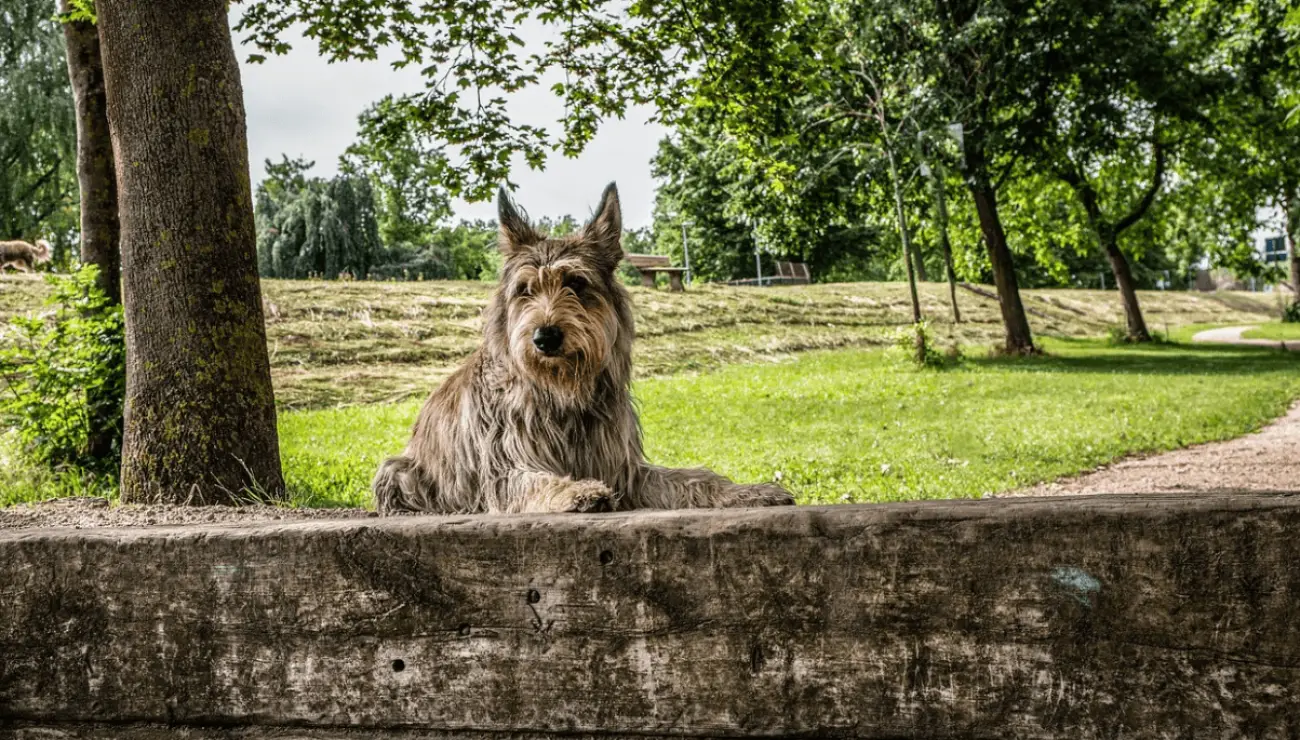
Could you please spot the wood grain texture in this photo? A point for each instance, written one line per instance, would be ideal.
(1106, 617)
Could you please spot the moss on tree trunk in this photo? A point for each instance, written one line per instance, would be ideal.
(200, 413)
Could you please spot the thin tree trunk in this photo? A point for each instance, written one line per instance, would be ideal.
(200, 413)
(1291, 225)
(919, 259)
(1119, 267)
(941, 201)
(902, 233)
(99, 225)
(95, 170)
(1019, 339)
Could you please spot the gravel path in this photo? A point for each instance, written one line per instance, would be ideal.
(1232, 335)
(1263, 462)
(1266, 461)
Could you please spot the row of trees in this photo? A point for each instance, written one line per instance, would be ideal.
(807, 91)
(377, 220)
(1144, 132)
(1089, 131)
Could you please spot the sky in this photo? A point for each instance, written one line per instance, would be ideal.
(303, 106)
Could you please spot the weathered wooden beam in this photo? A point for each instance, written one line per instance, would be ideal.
(1133, 617)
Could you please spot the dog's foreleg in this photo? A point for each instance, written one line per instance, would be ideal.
(534, 492)
(400, 486)
(674, 488)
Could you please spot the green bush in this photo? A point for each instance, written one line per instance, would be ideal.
(1291, 314)
(57, 365)
(916, 342)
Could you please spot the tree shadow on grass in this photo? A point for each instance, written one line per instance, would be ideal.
(1152, 359)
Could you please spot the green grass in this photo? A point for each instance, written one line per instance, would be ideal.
(860, 425)
(1284, 332)
(22, 481)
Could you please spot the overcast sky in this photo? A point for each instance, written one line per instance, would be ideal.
(302, 106)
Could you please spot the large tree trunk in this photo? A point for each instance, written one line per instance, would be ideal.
(1019, 340)
(1119, 267)
(99, 224)
(200, 413)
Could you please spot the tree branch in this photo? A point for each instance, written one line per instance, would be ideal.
(1157, 179)
(41, 181)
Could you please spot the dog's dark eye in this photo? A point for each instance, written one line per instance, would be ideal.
(522, 289)
(576, 284)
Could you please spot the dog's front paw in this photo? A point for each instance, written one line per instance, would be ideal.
(588, 495)
(769, 494)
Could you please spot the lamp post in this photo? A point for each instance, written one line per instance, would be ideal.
(686, 252)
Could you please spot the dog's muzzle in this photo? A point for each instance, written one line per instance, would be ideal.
(548, 340)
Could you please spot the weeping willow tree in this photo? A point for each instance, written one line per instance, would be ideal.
(316, 227)
(38, 137)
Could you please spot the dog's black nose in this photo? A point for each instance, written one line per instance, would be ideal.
(548, 339)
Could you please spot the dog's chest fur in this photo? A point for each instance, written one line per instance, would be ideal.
(526, 428)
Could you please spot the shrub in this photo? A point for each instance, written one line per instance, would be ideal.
(1291, 314)
(916, 342)
(56, 366)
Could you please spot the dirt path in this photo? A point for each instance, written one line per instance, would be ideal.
(1265, 461)
(1233, 335)
(84, 512)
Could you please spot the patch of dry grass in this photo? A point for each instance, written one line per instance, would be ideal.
(340, 343)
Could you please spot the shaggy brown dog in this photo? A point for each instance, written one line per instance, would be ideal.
(540, 418)
(22, 255)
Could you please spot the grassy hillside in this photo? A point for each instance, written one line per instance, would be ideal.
(338, 343)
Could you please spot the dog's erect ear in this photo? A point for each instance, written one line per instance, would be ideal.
(516, 232)
(605, 229)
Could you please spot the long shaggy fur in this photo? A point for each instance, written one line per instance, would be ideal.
(515, 429)
(22, 255)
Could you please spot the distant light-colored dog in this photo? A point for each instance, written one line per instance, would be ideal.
(22, 255)
(540, 418)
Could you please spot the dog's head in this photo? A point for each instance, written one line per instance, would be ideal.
(560, 312)
(42, 251)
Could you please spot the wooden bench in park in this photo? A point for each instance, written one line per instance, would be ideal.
(787, 273)
(793, 273)
(650, 265)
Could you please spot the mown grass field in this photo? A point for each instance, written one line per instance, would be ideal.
(789, 381)
(340, 343)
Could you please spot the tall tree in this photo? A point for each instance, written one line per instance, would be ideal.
(97, 179)
(96, 174)
(406, 168)
(315, 227)
(200, 421)
(37, 125)
(811, 210)
(994, 55)
(1257, 124)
